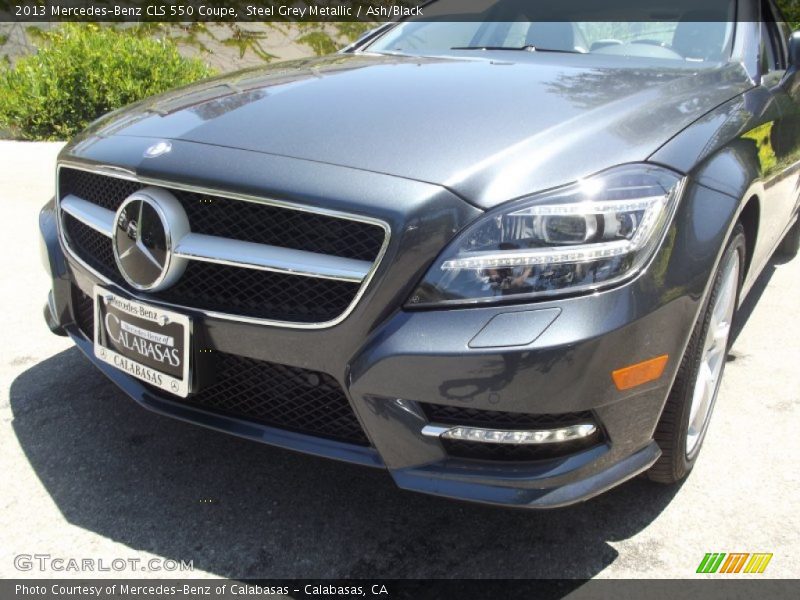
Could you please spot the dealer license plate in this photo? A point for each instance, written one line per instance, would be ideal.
(147, 342)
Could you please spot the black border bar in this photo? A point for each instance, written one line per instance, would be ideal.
(374, 11)
(711, 588)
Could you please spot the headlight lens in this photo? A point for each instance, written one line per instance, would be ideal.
(591, 234)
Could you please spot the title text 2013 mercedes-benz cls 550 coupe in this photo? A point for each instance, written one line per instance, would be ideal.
(500, 259)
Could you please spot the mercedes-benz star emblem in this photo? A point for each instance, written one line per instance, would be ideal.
(148, 224)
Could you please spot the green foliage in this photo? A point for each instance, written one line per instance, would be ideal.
(83, 71)
(319, 41)
(244, 40)
(326, 38)
(791, 11)
(196, 34)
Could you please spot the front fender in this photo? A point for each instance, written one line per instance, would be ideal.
(724, 151)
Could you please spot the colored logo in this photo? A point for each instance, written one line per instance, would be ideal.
(734, 562)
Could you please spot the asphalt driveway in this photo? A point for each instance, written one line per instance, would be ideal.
(89, 474)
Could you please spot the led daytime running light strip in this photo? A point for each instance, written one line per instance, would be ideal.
(539, 256)
(510, 436)
(590, 208)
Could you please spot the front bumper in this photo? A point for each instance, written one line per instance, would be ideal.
(388, 361)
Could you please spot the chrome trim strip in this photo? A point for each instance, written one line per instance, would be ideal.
(98, 218)
(250, 255)
(456, 432)
(431, 430)
(120, 173)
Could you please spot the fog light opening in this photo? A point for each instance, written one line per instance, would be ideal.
(510, 436)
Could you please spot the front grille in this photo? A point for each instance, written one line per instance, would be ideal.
(224, 288)
(490, 419)
(230, 289)
(280, 396)
(240, 220)
(92, 247)
(253, 293)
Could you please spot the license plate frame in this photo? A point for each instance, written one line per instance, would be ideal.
(143, 333)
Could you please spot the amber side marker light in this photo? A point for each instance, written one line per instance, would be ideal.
(648, 370)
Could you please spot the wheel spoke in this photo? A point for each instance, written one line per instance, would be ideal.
(724, 301)
(701, 388)
(721, 334)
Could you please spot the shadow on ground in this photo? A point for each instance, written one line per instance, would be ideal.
(242, 509)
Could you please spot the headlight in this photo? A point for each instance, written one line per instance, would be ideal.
(591, 234)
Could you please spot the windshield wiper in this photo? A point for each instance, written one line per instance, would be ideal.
(528, 48)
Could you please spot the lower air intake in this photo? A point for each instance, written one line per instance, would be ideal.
(271, 394)
(281, 396)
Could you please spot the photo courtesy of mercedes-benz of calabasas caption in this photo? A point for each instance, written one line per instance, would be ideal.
(499, 259)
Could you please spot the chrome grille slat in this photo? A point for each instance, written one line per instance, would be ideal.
(198, 246)
(96, 217)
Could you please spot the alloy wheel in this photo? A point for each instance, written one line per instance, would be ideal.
(714, 354)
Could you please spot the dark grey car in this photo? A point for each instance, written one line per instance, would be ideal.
(500, 259)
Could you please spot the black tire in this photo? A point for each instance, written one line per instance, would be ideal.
(671, 432)
(790, 245)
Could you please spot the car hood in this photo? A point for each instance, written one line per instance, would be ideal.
(486, 127)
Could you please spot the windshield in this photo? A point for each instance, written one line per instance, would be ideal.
(686, 35)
